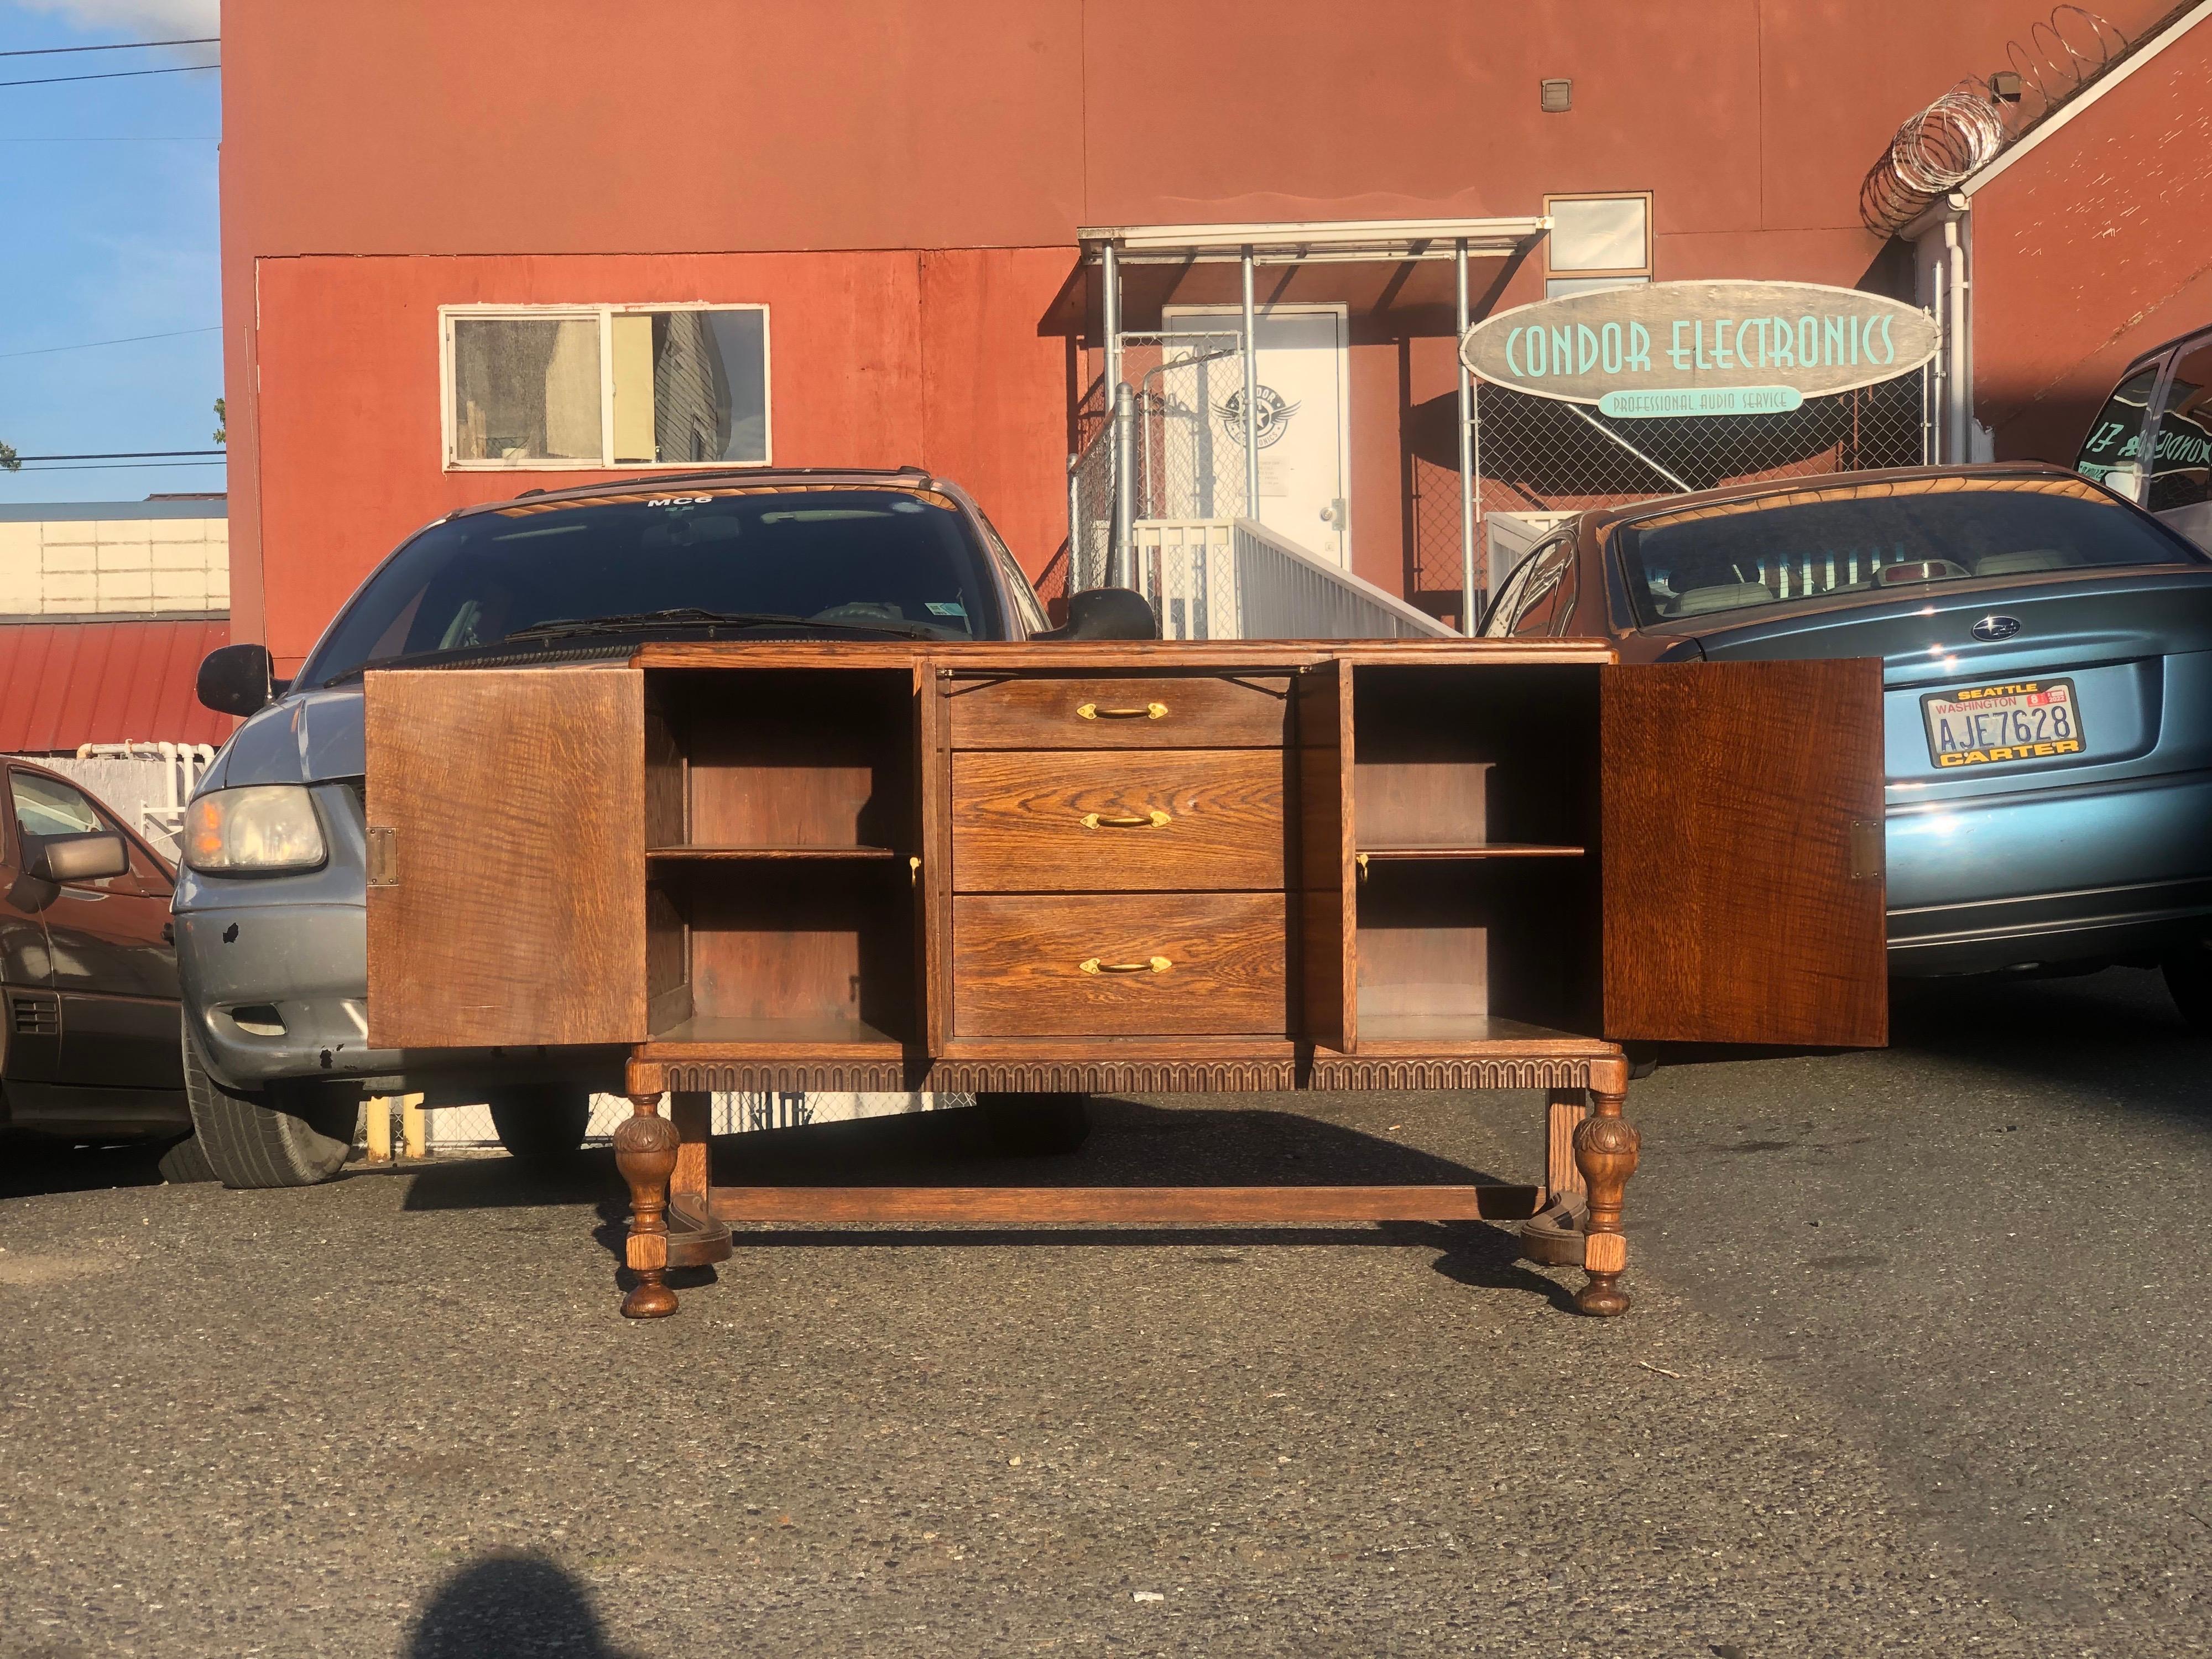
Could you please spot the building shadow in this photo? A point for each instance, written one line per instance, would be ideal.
(510, 1606)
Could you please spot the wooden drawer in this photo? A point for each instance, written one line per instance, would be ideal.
(1100, 712)
(1091, 963)
(1140, 820)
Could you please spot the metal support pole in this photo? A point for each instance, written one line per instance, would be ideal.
(1074, 573)
(1110, 280)
(1962, 391)
(1251, 398)
(1468, 612)
(1125, 471)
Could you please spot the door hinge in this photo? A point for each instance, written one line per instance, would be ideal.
(383, 855)
(1866, 850)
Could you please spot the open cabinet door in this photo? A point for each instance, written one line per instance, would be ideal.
(507, 857)
(1742, 853)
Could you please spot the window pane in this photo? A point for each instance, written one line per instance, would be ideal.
(2181, 472)
(526, 389)
(2115, 437)
(1604, 235)
(691, 387)
(45, 807)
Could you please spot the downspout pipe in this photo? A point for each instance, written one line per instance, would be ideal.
(1959, 416)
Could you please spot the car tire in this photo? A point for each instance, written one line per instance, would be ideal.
(249, 1141)
(2188, 982)
(1036, 1126)
(541, 1125)
(185, 1162)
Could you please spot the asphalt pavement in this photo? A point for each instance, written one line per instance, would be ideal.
(1915, 1366)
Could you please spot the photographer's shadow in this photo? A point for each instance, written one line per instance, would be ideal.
(510, 1606)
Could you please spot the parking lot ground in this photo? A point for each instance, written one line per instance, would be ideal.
(1917, 1365)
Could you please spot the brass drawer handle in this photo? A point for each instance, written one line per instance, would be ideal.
(1152, 965)
(1154, 820)
(1151, 711)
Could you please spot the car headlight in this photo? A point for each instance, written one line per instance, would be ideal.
(270, 826)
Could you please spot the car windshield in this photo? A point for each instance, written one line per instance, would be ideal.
(847, 561)
(1770, 549)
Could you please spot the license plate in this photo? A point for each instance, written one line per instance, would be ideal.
(1995, 724)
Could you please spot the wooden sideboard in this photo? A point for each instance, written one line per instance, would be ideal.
(1162, 867)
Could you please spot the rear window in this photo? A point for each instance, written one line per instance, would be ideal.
(1733, 556)
(904, 561)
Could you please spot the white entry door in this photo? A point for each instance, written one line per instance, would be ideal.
(1304, 418)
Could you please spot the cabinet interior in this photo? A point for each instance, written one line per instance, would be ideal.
(1474, 806)
(780, 820)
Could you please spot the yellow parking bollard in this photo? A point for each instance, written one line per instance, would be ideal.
(379, 1128)
(410, 1124)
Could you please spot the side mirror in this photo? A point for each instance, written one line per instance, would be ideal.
(1107, 613)
(76, 858)
(238, 679)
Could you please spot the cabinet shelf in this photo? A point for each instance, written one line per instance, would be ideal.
(694, 854)
(1494, 849)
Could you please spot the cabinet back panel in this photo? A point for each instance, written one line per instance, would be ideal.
(814, 945)
(797, 758)
(1534, 726)
(1441, 803)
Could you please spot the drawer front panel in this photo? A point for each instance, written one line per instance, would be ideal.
(1177, 965)
(1100, 712)
(1140, 821)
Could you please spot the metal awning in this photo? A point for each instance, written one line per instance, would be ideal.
(1296, 242)
(1302, 241)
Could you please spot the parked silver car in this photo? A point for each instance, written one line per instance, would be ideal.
(271, 904)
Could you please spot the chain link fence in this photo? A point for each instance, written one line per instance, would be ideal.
(1538, 454)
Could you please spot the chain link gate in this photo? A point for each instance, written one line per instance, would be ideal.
(1186, 457)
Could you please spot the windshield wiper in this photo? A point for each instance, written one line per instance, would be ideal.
(690, 615)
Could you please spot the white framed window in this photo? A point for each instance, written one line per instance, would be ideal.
(1597, 242)
(560, 388)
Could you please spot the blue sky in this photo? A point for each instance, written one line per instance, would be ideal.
(108, 228)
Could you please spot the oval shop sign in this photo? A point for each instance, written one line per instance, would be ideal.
(1677, 349)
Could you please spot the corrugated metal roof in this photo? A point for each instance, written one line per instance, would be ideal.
(66, 682)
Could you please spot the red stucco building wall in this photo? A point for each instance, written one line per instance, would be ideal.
(901, 183)
(2092, 247)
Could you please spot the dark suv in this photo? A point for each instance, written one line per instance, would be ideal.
(271, 903)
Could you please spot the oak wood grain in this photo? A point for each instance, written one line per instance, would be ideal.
(1730, 910)
(1327, 980)
(509, 924)
(1041, 820)
(1093, 711)
(1017, 963)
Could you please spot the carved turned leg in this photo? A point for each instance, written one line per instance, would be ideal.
(1605, 1151)
(645, 1152)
